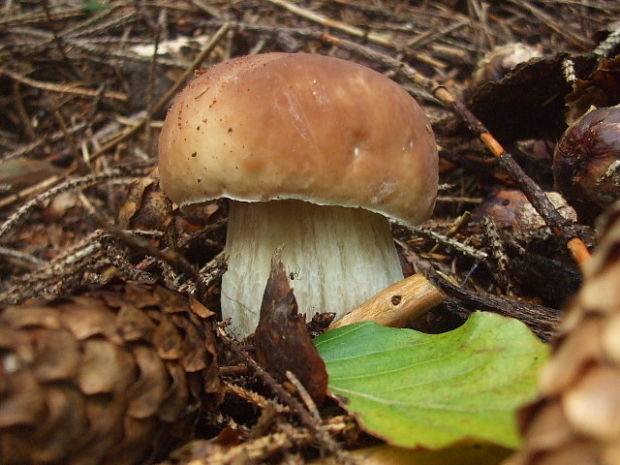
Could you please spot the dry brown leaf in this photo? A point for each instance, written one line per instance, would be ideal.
(281, 339)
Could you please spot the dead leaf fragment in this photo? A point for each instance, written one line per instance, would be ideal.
(531, 98)
(281, 339)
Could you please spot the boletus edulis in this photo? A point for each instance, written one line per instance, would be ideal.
(314, 154)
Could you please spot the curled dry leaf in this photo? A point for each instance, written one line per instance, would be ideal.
(115, 376)
(145, 205)
(282, 341)
(575, 419)
(538, 83)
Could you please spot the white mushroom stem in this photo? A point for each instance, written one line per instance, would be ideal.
(336, 257)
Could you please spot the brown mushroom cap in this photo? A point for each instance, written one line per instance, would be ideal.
(300, 126)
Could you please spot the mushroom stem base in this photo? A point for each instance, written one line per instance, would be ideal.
(336, 257)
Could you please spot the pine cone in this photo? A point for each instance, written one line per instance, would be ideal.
(115, 376)
(576, 419)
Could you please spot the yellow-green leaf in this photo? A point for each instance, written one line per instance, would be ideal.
(432, 390)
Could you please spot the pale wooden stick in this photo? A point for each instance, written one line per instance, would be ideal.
(397, 304)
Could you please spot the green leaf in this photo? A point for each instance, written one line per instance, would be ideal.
(432, 390)
(95, 6)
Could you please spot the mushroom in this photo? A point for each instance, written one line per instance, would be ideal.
(313, 153)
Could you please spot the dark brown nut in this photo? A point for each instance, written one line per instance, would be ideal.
(509, 209)
(586, 165)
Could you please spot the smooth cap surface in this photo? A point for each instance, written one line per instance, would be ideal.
(300, 126)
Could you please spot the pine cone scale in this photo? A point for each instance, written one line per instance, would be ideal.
(58, 357)
(592, 406)
(23, 401)
(101, 379)
(104, 368)
(96, 321)
(150, 389)
(576, 419)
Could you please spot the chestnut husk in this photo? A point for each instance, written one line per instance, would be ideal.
(586, 166)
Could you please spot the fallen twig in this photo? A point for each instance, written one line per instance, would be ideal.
(62, 88)
(411, 297)
(396, 305)
(317, 428)
(542, 320)
(70, 184)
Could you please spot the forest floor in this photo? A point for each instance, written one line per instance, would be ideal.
(85, 87)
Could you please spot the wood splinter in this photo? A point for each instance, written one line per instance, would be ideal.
(397, 304)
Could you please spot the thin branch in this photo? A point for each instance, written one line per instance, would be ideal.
(450, 242)
(373, 37)
(54, 137)
(317, 428)
(542, 320)
(62, 88)
(379, 39)
(56, 13)
(548, 21)
(22, 256)
(16, 218)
